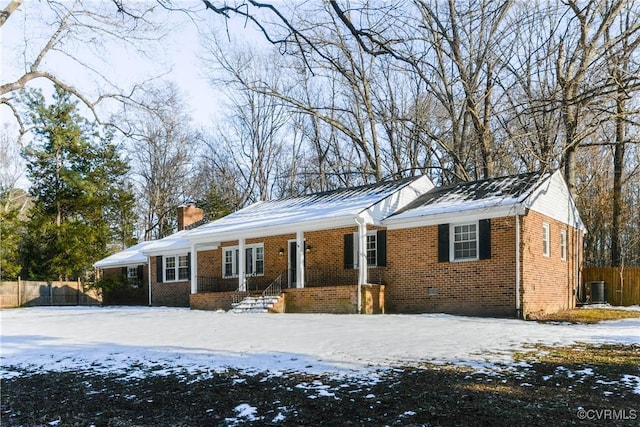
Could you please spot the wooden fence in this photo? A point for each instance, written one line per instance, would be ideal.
(618, 292)
(30, 293)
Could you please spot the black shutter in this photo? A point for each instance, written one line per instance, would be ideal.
(124, 274)
(381, 243)
(141, 273)
(159, 269)
(189, 265)
(348, 250)
(485, 238)
(443, 242)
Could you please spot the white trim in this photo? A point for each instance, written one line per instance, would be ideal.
(458, 217)
(176, 268)
(356, 252)
(563, 245)
(132, 268)
(452, 246)
(362, 259)
(546, 240)
(300, 259)
(242, 276)
(194, 270)
(235, 263)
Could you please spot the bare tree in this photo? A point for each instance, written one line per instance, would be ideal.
(250, 139)
(163, 148)
(78, 33)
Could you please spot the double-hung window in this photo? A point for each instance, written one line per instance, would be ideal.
(132, 273)
(375, 247)
(176, 268)
(254, 260)
(469, 241)
(465, 241)
(563, 245)
(372, 249)
(546, 244)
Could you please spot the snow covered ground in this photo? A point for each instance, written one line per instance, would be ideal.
(135, 341)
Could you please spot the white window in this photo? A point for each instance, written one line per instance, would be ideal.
(254, 260)
(563, 245)
(464, 241)
(132, 273)
(546, 251)
(371, 248)
(176, 268)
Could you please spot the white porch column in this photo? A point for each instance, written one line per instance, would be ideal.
(363, 268)
(148, 277)
(194, 269)
(300, 259)
(242, 280)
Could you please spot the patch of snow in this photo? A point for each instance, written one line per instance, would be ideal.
(137, 341)
(632, 381)
(244, 412)
(278, 418)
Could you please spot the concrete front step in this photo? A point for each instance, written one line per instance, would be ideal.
(258, 304)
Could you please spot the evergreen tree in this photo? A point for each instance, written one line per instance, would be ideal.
(11, 234)
(82, 202)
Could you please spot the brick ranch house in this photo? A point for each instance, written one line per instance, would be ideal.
(507, 246)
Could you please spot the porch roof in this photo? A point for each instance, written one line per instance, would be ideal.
(499, 196)
(131, 256)
(319, 211)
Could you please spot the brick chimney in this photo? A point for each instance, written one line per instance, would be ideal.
(188, 214)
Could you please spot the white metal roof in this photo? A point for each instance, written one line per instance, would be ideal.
(131, 256)
(331, 209)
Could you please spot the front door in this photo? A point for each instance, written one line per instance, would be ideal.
(293, 263)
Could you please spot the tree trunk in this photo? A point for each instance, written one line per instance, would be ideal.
(618, 169)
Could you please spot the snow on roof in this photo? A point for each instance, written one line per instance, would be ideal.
(483, 194)
(309, 212)
(128, 257)
(174, 243)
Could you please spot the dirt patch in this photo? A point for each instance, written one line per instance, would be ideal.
(591, 315)
(564, 388)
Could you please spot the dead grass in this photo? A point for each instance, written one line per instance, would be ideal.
(592, 315)
(554, 387)
(622, 357)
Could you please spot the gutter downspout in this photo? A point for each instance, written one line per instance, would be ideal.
(362, 259)
(518, 308)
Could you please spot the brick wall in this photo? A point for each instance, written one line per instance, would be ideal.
(341, 299)
(417, 282)
(172, 294)
(324, 261)
(548, 282)
(212, 301)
